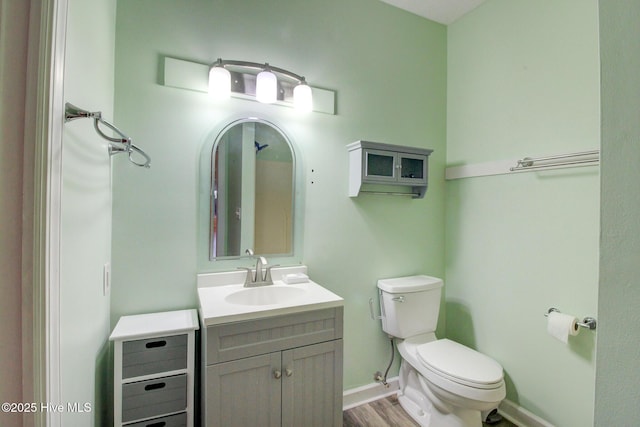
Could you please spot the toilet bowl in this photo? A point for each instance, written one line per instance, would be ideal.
(442, 383)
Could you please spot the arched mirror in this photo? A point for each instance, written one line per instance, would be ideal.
(252, 191)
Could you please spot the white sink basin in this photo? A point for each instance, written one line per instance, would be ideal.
(265, 295)
(223, 297)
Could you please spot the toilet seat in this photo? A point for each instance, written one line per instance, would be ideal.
(460, 364)
(479, 392)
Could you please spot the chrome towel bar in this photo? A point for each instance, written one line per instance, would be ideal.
(587, 322)
(116, 145)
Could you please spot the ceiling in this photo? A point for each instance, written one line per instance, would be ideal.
(442, 11)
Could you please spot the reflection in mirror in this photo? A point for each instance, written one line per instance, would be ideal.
(252, 191)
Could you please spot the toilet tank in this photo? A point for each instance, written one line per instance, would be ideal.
(409, 305)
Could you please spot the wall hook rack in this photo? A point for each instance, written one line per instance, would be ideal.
(119, 145)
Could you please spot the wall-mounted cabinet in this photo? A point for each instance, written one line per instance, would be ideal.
(373, 165)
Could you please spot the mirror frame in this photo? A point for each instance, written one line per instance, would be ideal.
(212, 198)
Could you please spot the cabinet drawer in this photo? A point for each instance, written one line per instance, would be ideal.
(154, 355)
(154, 397)
(250, 338)
(177, 420)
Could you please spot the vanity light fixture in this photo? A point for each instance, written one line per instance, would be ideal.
(219, 81)
(302, 97)
(266, 86)
(268, 82)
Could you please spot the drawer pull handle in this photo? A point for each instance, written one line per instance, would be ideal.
(277, 374)
(288, 372)
(155, 386)
(156, 344)
(160, 424)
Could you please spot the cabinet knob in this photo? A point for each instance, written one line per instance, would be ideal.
(277, 374)
(288, 372)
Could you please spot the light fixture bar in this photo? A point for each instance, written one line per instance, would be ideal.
(267, 86)
(258, 66)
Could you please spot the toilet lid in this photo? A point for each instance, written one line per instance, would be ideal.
(460, 363)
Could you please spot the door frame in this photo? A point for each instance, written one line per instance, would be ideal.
(44, 113)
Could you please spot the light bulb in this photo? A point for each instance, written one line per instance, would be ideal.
(219, 83)
(266, 87)
(302, 97)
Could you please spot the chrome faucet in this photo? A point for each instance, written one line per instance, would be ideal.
(262, 276)
(261, 263)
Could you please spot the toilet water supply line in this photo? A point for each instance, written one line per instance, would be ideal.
(378, 377)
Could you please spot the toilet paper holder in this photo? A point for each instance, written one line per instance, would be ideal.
(587, 322)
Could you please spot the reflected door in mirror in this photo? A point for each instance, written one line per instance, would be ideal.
(253, 178)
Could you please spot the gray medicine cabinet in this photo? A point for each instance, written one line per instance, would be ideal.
(380, 168)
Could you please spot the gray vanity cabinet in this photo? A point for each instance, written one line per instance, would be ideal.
(312, 394)
(291, 375)
(244, 393)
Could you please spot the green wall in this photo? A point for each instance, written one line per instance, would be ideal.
(388, 68)
(85, 233)
(617, 391)
(515, 244)
(523, 80)
(511, 79)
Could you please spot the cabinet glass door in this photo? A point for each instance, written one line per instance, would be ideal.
(413, 168)
(379, 166)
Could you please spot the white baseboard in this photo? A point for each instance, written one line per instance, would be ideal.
(368, 393)
(374, 391)
(521, 416)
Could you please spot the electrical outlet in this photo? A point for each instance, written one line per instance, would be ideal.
(106, 279)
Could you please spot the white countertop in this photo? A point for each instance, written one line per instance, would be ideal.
(147, 325)
(215, 288)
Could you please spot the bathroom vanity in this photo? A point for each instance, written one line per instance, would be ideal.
(271, 355)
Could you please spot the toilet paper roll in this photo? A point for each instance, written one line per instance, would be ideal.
(560, 326)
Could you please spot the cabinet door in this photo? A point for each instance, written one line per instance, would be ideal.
(413, 168)
(245, 392)
(379, 166)
(312, 385)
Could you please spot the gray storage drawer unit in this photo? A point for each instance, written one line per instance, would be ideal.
(154, 369)
(150, 356)
(178, 420)
(154, 397)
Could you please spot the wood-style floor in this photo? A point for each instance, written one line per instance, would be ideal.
(388, 412)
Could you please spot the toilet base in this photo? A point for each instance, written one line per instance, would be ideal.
(427, 409)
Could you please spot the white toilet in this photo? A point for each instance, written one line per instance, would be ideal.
(442, 383)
